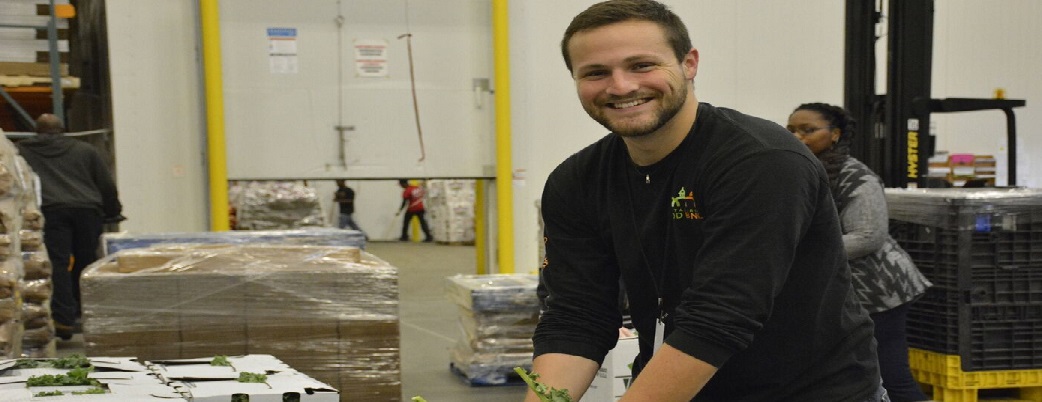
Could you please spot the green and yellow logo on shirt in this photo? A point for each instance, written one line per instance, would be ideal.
(684, 206)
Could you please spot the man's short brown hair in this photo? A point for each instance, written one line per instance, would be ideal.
(615, 11)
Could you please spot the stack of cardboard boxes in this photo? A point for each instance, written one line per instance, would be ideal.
(332, 312)
(963, 170)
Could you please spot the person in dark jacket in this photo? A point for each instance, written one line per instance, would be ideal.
(345, 197)
(78, 196)
(721, 226)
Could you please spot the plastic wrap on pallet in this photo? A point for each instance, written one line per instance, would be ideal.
(965, 208)
(498, 292)
(331, 312)
(492, 332)
(114, 242)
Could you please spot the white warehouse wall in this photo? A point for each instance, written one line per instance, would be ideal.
(157, 105)
(761, 57)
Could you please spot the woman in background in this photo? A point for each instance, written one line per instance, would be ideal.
(883, 274)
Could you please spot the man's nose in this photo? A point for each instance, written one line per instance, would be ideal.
(621, 83)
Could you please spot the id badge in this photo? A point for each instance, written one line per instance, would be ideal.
(660, 329)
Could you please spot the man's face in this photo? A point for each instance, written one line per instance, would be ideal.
(628, 78)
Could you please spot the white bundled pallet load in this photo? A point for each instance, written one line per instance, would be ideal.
(275, 205)
(450, 204)
(498, 315)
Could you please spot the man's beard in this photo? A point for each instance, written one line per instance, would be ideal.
(670, 106)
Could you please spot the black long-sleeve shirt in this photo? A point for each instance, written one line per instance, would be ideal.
(736, 232)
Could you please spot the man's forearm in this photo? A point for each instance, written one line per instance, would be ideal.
(671, 375)
(563, 371)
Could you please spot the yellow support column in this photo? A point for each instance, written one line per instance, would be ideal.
(504, 167)
(216, 158)
(480, 234)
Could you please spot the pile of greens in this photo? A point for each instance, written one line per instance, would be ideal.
(220, 361)
(545, 394)
(68, 362)
(79, 368)
(76, 376)
(247, 376)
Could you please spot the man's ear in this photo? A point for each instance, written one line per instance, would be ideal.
(690, 63)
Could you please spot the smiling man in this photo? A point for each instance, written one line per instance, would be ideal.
(720, 226)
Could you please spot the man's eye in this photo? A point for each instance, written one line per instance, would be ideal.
(594, 74)
(643, 66)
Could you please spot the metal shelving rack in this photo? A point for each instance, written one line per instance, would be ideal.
(55, 64)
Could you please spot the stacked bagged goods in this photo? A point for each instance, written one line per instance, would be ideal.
(12, 189)
(498, 315)
(38, 340)
(450, 204)
(272, 205)
(331, 312)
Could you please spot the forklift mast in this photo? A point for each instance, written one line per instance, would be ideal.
(894, 129)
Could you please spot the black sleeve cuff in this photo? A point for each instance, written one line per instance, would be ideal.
(700, 348)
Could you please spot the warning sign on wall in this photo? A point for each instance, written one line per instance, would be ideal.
(371, 57)
(282, 50)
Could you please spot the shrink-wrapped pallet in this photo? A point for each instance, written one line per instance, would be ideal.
(331, 312)
(498, 315)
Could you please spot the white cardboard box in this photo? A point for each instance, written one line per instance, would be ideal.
(613, 378)
(125, 380)
(201, 382)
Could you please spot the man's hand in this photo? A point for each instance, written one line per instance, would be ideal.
(671, 375)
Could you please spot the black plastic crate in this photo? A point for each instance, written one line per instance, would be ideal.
(982, 249)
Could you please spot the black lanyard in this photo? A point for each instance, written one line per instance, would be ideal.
(657, 281)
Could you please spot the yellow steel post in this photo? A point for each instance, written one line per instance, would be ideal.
(216, 158)
(504, 167)
(480, 234)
